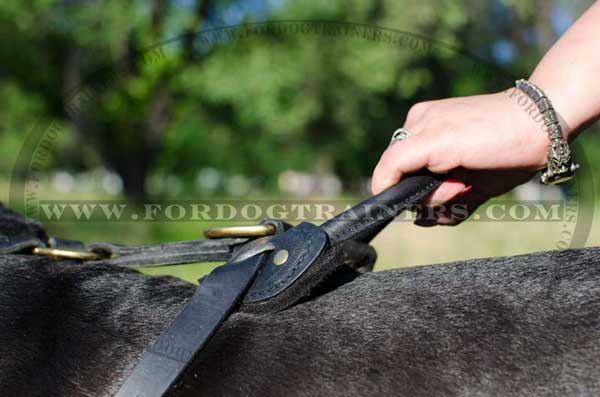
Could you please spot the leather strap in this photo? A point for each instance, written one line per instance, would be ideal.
(301, 245)
(167, 254)
(18, 243)
(215, 298)
(151, 255)
(366, 219)
(306, 242)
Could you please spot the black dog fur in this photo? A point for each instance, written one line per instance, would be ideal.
(515, 326)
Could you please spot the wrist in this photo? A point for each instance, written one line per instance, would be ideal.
(529, 129)
(560, 167)
(570, 113)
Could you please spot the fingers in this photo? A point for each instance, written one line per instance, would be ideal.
(448, 190)
(454, 211)
(429, 149)
(480, 135)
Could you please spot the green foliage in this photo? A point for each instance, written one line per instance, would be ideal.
(157, 88)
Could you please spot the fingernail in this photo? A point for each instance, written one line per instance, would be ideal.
(462, 192)
(445, 221)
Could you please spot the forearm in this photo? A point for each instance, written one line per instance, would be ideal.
(569, 73)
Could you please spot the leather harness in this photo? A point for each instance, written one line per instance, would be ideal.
(258, 269)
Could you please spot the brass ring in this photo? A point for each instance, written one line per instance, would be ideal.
(69, 254)
(239, 231)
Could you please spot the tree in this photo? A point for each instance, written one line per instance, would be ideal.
(160, 87)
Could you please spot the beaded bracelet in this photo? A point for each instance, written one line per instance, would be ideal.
(561, 166)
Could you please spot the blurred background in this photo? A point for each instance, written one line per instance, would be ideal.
(240, 99)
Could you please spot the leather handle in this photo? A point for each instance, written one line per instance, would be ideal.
(366, 219)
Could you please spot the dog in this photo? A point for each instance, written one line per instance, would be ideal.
(513, 326)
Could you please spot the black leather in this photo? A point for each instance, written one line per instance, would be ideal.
(179, 252)
(15, 244)
(167, 254)
(366, 219)
(335, 267)
(216, 297)
(304, 244)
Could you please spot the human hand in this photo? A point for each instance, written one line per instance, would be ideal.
(487, 144)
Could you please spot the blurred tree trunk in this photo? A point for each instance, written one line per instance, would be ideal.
(543, 24)
(132, 146)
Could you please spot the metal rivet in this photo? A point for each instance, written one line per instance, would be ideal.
(280, 257)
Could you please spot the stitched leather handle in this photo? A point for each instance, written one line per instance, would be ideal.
(366, 219)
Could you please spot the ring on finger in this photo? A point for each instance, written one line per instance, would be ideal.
(399, 135)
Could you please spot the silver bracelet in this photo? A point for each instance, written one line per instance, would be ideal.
(561, 166)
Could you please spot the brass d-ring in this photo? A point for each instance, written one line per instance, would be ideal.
(68, 254)
(239, 231)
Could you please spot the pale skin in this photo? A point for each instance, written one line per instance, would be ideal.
(488, 144)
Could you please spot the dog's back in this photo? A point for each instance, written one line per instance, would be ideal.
(525, 325)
